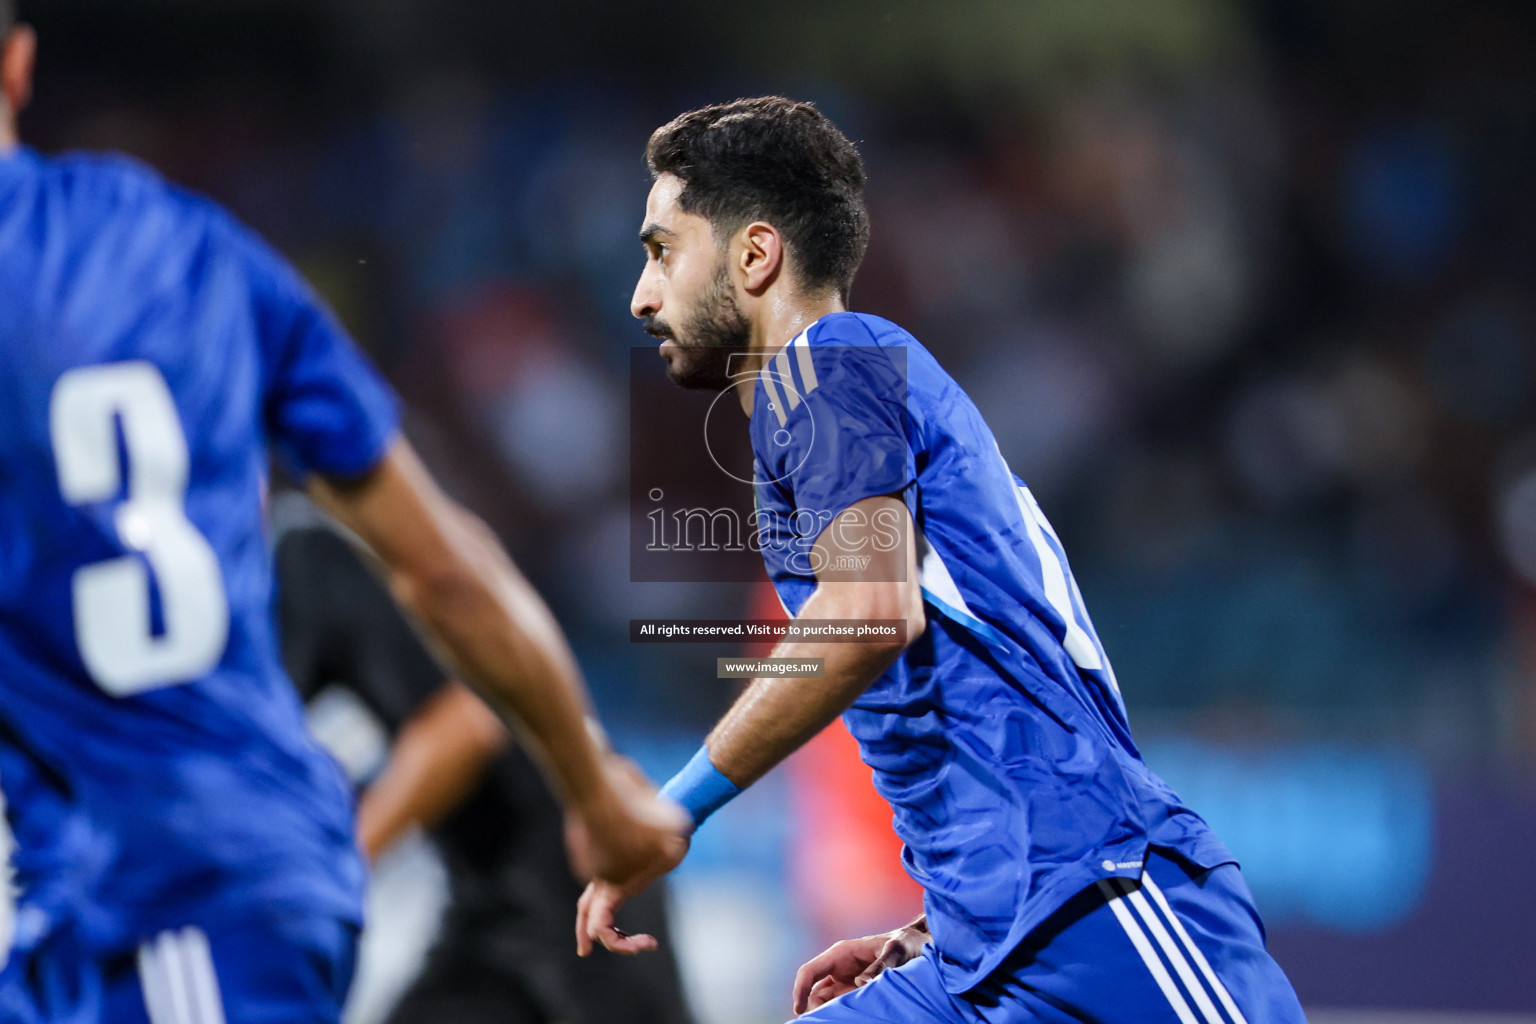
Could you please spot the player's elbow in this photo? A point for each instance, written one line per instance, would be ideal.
(896, 602)
(454, 580)
(441, 595)
(917, 618)
(913, 612)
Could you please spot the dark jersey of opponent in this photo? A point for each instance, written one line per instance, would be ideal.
(507, 942)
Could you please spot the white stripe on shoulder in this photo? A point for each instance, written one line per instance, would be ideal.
(1148, 954)
(1172, 951)
(786, 379)
(1194, 951)
(766, 376)
(802, 346)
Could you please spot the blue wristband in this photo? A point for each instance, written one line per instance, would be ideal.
(700, 787)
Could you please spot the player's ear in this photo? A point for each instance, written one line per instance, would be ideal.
(18, 55)
(759, 256)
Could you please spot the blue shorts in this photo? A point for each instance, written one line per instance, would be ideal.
(269, 969)
(1184, 946)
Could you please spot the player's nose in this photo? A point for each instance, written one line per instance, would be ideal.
(647, 298)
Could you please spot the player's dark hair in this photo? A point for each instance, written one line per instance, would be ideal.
(772, 159)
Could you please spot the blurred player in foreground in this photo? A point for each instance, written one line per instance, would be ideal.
(1063, 880)
(184, 850)
(503, 952)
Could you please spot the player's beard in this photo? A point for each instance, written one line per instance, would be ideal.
(708, 335)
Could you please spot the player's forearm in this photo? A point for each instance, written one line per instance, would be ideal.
(444, 566)
(498, 634)
(439, 756)
(776, 716)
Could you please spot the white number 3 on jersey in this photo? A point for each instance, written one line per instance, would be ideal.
(113, 626)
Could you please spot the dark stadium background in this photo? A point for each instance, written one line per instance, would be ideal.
(1245, 289)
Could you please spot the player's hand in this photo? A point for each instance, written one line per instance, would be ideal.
(597, 906)
(622, 849)
(854, 963)
(632, 835)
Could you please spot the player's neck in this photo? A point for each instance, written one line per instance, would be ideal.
(8, 139)
(784, 317)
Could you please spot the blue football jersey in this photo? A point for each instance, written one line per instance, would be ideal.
(999, 737)
(153, 755)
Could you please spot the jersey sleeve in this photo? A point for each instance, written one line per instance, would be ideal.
(340, 626)
(327, 409)
(836, 431)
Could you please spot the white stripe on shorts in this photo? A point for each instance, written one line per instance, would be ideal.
(1148, 954)
(1179, 949)
(1171, 950)
(177, 975)
(1194, 952)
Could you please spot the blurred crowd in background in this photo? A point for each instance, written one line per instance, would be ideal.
(1245, 291)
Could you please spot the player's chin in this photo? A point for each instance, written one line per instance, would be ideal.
(681, 369)
(670, 352)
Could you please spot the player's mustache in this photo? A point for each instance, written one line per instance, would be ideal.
(657, 328)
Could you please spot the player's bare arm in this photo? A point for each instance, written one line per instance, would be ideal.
(441, 754)
(776, 716)
(446, 568)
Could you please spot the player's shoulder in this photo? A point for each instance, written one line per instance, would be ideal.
(105, 185)
(87, 169)
(848, 365)
(844, 350)
(857, 330)
(110, 176)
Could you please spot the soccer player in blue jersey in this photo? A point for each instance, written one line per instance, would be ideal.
(1063, 880)
(184, 850)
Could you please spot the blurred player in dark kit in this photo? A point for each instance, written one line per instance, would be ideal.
(1063, 880)
(503, 953)
(184, 850)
